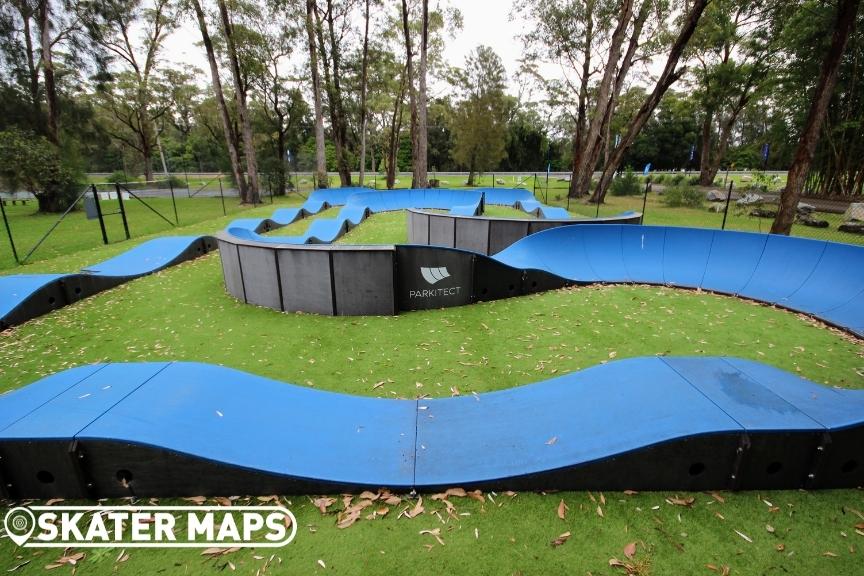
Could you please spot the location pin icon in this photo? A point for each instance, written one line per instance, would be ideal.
(20, 523)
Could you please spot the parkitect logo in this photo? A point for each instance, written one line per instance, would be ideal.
(150, 526)
(433, 275)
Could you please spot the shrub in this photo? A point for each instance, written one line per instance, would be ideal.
(658, 178)
(693, 180)
(29, 162)
(626, 184)
(675, 179)
(677, 196)
(118, 176)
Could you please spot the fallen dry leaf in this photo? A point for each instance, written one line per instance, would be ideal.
(630, 550)
(562, 510)
(561, 539)
(323, 503)
(435, 533)
(686, 502)
(829, 554)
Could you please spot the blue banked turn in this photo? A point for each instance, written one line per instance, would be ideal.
(820, 278)
(160, 429)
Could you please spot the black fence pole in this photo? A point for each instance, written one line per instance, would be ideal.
(99, 214)
(546, 192)
(9, 231)
(645, 199)
(122, 211)
(222, 196)
(186, 175)
(726, 209)
(174, 201)
(597, 213)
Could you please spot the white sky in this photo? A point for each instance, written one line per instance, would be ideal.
(484, 22)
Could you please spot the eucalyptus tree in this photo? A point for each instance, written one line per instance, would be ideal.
(229, 133)
(479, 124)
(846, 15)
(130, 34)
(734, 50)
(253, 194)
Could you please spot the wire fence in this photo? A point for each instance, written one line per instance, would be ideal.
(737, 201)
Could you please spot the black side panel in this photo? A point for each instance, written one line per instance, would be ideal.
(494, 281)
(43, 469)
(432, 277)
(698, 463)
(777, 461)
(120, 469)
(841, 462)
(48, 298)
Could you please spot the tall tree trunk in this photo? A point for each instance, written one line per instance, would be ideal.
(412, 93)
(146, 144)
(51, 129)
(705, 152)
(668, 77)
(420, 174)
(364, 81)
(602, 145)
(320, 153)
(846, 13)
(216, 82)
(334, 93)
(252, 194)
(395, 130)
(582, 113)
(584, 170)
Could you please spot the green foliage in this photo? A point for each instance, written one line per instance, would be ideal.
(675, 179)
(479, 124)
(658, 178)
(31, 163)
(626, 184)
(119, 176)
(683, 196)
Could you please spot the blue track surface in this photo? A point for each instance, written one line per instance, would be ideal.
(212, 414)
(823, 279)
(44, 292)
(358, 203)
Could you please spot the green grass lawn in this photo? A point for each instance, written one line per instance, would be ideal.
(184, 313)
(76, 234)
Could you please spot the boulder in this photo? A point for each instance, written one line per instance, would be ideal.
(852, 227)
(750, 199)
(716, 196)
(855, 212)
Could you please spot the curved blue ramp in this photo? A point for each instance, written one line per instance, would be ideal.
(161, 429)
(27, 296)
(823, 279)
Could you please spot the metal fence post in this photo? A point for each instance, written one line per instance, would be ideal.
(726, 209)
(9, 231)
(99, 214)
(122, 211)
(645, 200)
(222, 196)
(173, 200)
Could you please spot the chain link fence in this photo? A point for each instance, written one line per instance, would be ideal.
(736, 201)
